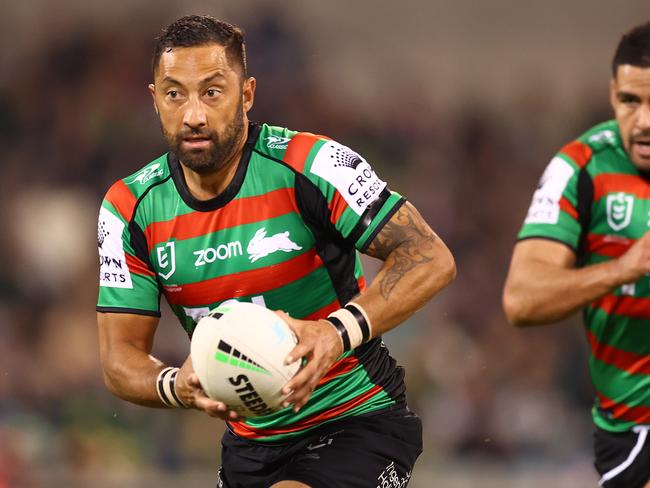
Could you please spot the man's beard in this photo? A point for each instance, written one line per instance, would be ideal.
(223, 147)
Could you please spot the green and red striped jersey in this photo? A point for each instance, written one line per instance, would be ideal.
(593, 199)
(285, 234)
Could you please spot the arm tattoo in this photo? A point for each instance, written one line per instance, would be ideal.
(408, 240)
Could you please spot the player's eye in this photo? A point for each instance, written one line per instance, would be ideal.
(212, 92)
(173, 94)
(628, 99)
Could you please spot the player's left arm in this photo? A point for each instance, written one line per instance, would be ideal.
(417, 264)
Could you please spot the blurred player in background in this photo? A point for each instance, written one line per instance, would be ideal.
(238, 210)
(585, 245)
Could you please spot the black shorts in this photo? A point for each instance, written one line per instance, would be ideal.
(367, 451)
(623, 459)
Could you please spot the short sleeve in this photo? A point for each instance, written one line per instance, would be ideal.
(553, 211)
(358, 200)
(126, 281)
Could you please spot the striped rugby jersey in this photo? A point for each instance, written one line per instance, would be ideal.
(593, 199)
(285, 234)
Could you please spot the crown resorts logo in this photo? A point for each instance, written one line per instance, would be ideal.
(102, 232)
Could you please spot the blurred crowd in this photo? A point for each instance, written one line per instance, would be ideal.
(79, 116)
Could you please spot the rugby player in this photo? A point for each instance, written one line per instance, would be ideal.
(238, 210)
(585, 245)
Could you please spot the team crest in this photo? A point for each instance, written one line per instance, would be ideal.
(619, 210)
(166, 259)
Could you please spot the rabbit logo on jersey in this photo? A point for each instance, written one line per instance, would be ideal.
(113, 270)
(350, 174)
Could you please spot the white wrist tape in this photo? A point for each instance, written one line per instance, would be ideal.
(166, 388)
(352, 324)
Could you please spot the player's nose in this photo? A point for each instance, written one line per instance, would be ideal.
(643, 117)
(195, 114)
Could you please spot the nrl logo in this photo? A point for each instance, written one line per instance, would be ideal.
(166, 259)
(619, 210)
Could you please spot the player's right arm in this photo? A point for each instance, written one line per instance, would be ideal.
(544, 286)
(130, 371)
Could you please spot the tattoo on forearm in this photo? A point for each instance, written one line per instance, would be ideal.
(408, 241)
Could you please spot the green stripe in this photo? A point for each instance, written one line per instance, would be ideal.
(152, 209)
(566, 230)
(612, 425)
(271, 176)
(620, 386)
(389, 204)
(143, 296)
(619, 331)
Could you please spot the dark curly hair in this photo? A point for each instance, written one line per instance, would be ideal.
(199, 30)
(633, 48)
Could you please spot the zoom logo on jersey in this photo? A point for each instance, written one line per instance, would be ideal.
(147, 173)
(277, 142)
(113, 270)
(221, 252)
(349, 173)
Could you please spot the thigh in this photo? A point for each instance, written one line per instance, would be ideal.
(623, 459)
(359, 452)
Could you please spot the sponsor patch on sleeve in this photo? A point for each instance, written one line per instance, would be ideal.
(349, 173)
(545, 207)
(113, 270)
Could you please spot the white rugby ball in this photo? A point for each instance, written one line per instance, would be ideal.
(238, 352)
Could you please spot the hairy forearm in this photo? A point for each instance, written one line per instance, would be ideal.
(417, 265)
(542, 293)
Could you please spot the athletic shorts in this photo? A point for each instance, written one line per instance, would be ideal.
(623, 459)
(369, 451)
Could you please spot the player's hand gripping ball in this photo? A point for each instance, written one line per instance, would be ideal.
(238, 352)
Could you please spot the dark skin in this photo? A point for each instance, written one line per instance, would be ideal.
(417, 264)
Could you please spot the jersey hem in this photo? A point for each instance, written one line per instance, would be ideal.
(136, 311)
(554, 239)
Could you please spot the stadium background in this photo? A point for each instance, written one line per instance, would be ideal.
(459, 105)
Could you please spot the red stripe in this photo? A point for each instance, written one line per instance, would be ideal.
(633, 307)
(241, 211)
(621, 411)
(579, 152)
(323, 312)
(337, 206)
(568, 208)
(121, 197)
(137, 266)
(248, 432)
(255, 281)
(624, 360)
(608, 245)
(362, 283)
(299, 148)
(614, 182)
(339, 368)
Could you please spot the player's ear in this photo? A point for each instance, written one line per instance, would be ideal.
(152, 90)
(248, 93)
(612, 93)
